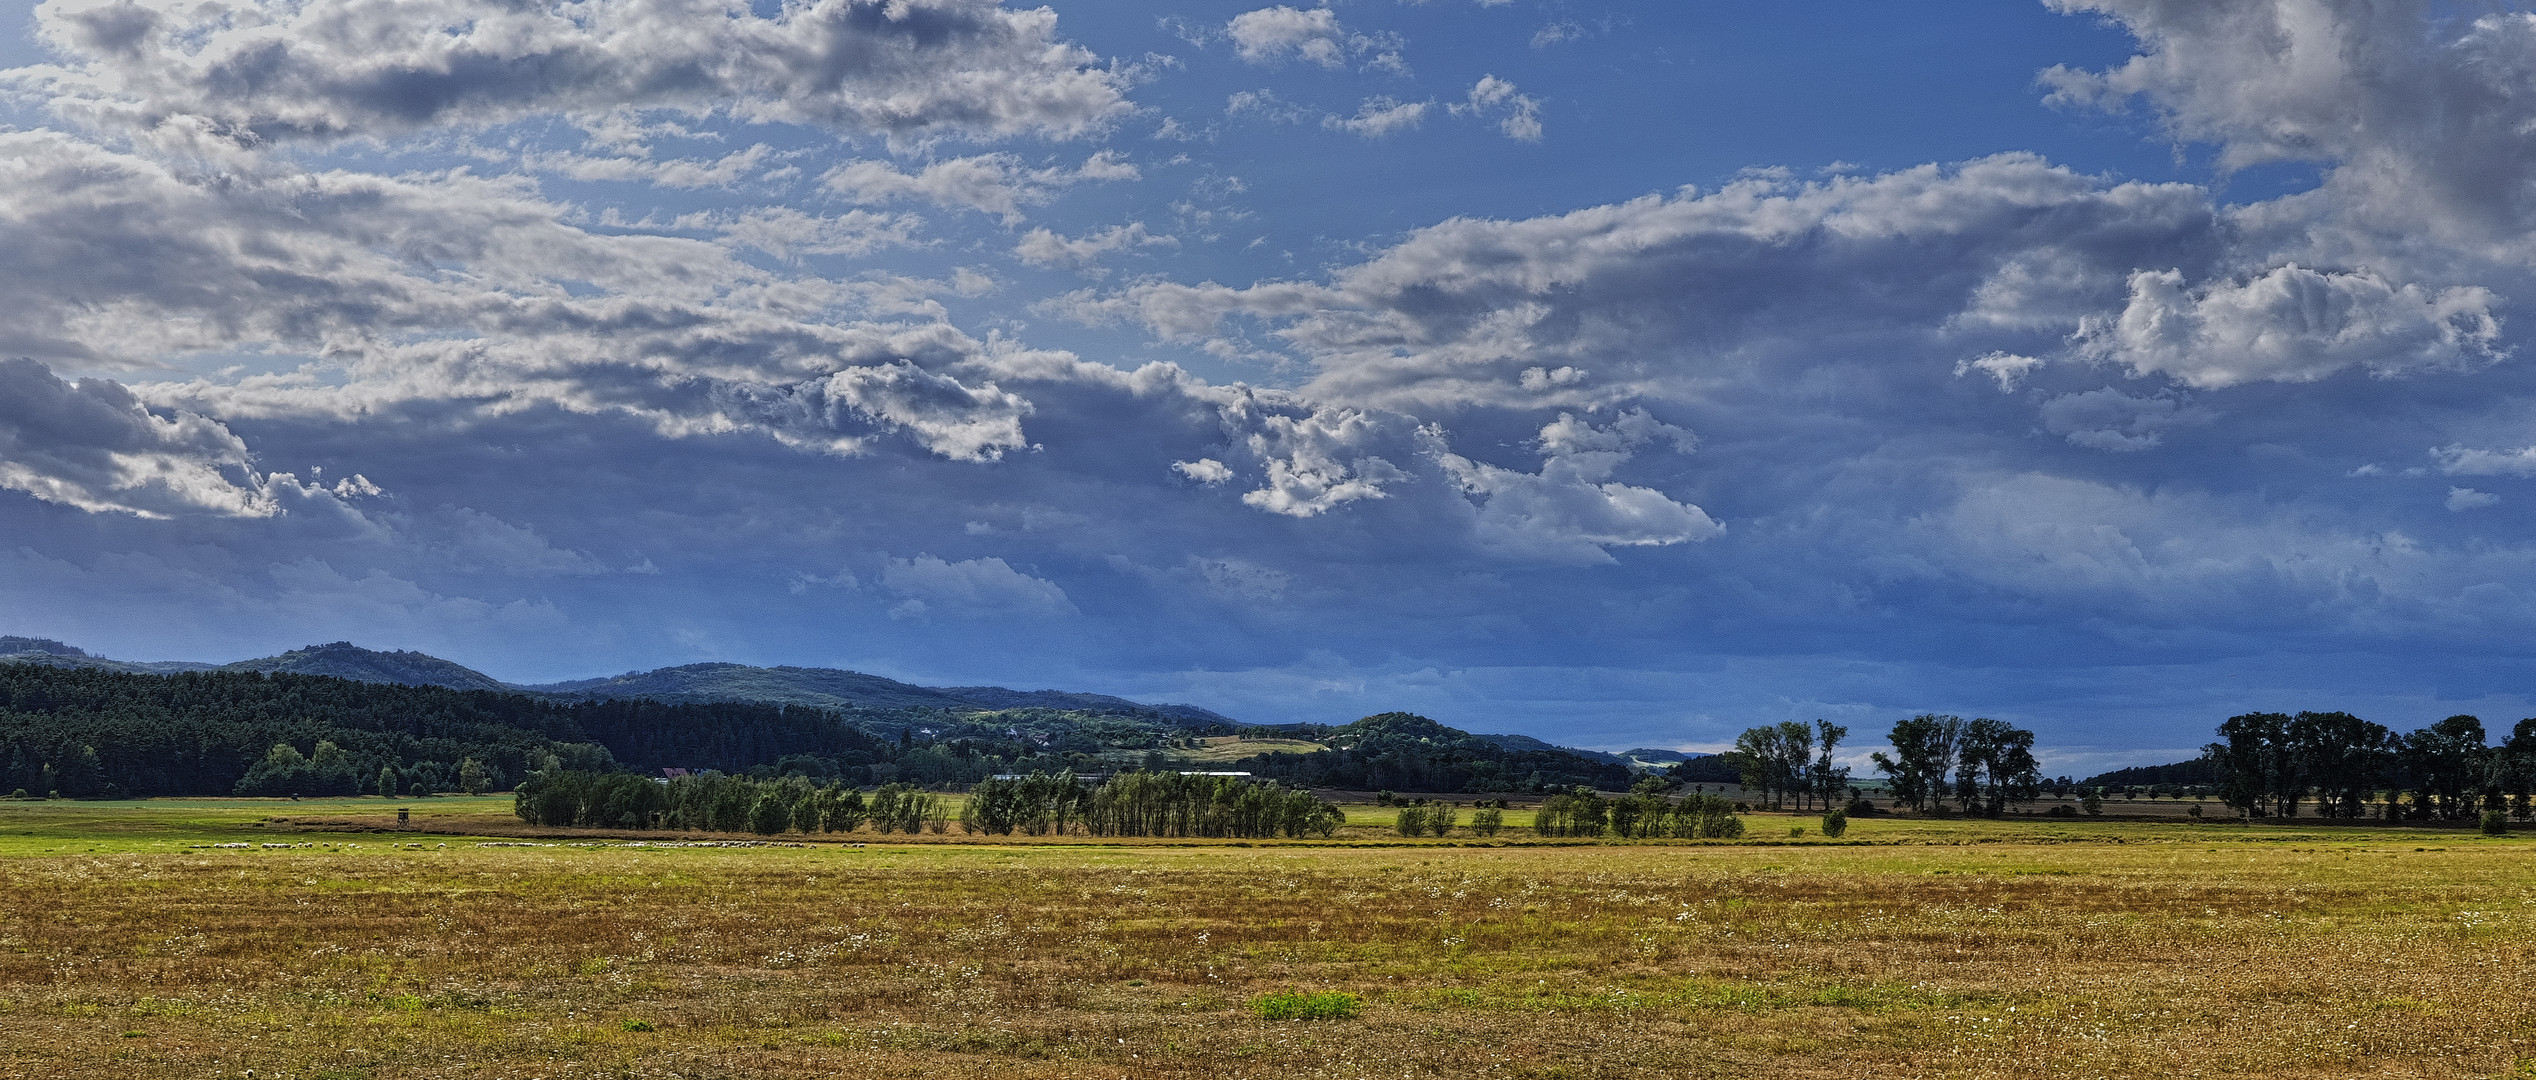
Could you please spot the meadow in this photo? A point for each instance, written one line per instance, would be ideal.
(131, 945)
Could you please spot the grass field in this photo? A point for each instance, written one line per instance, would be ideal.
(2042, 948)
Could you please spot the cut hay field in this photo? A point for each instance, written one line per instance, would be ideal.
(1919, 948)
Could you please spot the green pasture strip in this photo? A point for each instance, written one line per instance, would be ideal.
(68, 827)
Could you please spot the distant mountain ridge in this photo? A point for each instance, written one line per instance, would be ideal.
(827, 688)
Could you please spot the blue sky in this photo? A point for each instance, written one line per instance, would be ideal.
(1622, 374)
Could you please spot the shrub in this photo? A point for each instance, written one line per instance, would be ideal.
(1486, 820)
(1441, 817)
(2495, 823)
(1835, 823)
(1297, 1005)
(635, 1025)
(1412, 821)
(2063, 810)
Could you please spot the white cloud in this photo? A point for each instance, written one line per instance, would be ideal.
(2465, 498)
(993, 183)
(1266, 105)
(1660, 294)
(259, 71)
(94, 445)
(1519, 115)
(684, 173)
(1571, 510)
(926, 584)
(1315, 462)
(2292, 324)
(1207, 471)
(1044, 247)
(1379, 116)
(789, 234)
(1275, 35)
(2467, 461)
(463, 293)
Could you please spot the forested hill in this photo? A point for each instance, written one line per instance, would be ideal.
(93, 732)
(341, 659)
(836, 688)
(1407, 752)
(86, 731)
(827, 688)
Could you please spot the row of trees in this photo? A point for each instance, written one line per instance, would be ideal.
(1983, 764)
(1645, 813)
(329, 770)
(1424, 818)
(1792, 760)
(718, 802)
(2271, 763)
(1130, 804)
(1177, 804)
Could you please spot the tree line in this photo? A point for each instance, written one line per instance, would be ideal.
(720, 802)
(1983, 765)
(1128, 804)
(1645, 813)
(2270, 764)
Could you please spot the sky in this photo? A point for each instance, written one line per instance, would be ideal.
(1620, 374)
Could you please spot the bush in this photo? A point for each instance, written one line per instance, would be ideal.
(635, 1025)
(1412, 821)
(2495, 823)
(2063, 810)
(1486, 820)
(1835, 823)
(1297, 1005)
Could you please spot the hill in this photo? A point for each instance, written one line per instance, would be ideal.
(837, 688)
(345, 660)
(1407, 752)
(827, 688)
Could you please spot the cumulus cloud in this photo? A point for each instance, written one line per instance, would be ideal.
(1044, 247)
(2419, 121)
(249, 72)
(1379, 116)
(2461, 499)
(1571, 509)
(1317, 462)
(927, 584)
(1275, 35)
(2292, 324)
(993, 183)
(682, 173)
(453, 289)
(2469, 461)
(1519, 115)
(93, 445)
(1207, 471)
(1662, 292)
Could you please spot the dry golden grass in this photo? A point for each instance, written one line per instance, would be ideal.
(2175, 953)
